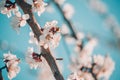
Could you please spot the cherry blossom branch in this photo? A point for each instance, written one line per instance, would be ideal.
(69, 23)
(74, 34)
(27, 9)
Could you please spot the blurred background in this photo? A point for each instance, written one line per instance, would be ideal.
(85, 18)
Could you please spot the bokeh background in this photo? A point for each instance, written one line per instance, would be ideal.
(84, 19)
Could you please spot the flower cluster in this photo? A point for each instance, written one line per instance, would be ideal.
(50, 36)
(33, 59)
(11, 62)
(38, 6)
(6, 7)
(86, 66)
(19, 21)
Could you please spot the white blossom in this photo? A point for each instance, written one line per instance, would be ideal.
(50, 36)
(107, 68)
(19, 21)
(98, 6)
(33, 59)
(80, 76)
(98, 59)
(39, 6)
(85, 53)
(11, 62)
(68, 11)
(7, 10)
(80, 35)
(32, 40)
(65, 29)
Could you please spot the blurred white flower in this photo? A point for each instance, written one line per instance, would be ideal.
(65, 29)
(50, 36)
(88, 49)
(5, 9)
(80, 76)
(86, 53)
(80, 35)
(11, 62)
(70, 40)
(98, 59)
(107, 68)
(98, 6)
(68, 11)
(19, 21)
(32, 40)
(33, 59)
(39, 6)
(60, 2)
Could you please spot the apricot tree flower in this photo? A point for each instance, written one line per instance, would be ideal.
(19, 21)
(33, 59)
(32, 40)
(7, 7)
(38, 6)
(50, 36)
(68, 11)
(11, 62)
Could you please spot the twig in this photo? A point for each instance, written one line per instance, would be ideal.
(27, 9)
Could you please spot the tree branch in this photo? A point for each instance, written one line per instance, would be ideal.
(1, 77)
(27, 9)
(69, 23)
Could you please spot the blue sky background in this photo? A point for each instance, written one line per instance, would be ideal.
(84, 19)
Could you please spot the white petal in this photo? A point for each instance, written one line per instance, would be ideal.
(18, 14)
(45, 46)
(23, 23)
(25, 16)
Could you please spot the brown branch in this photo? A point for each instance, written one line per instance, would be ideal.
(1, 77)
(27, 9)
